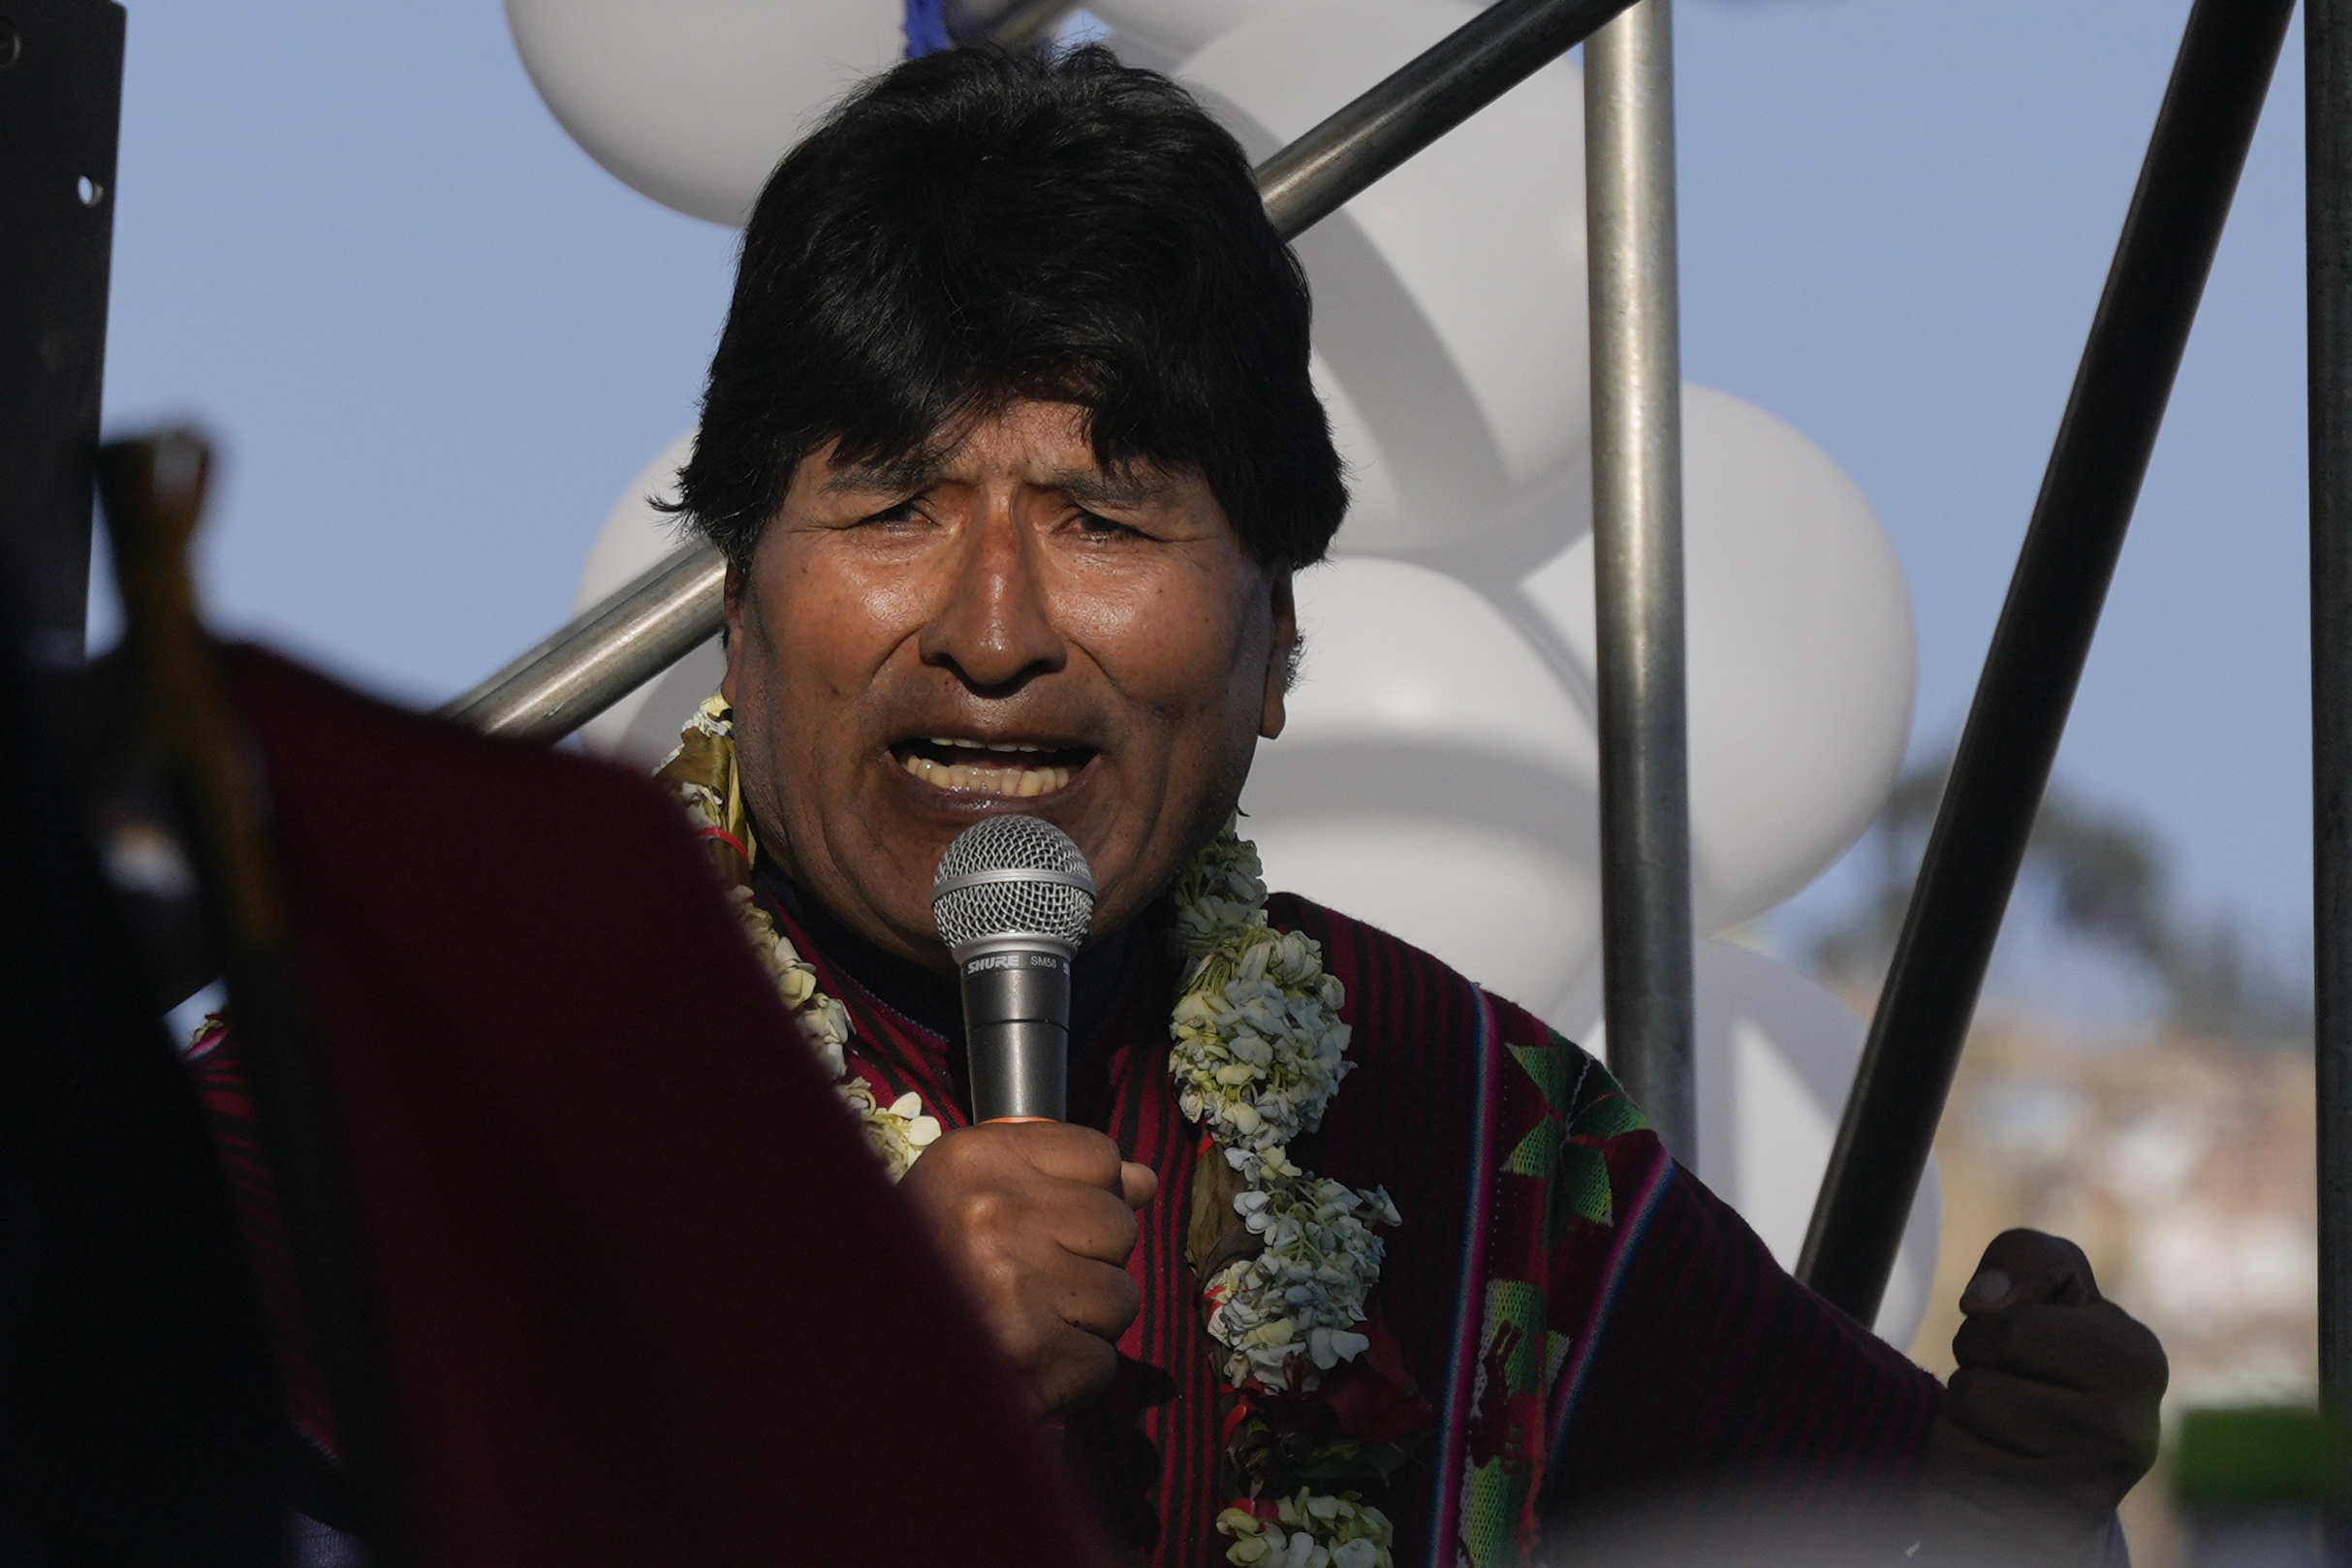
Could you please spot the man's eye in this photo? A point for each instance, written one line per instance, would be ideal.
(1096, 526)
(904, 512)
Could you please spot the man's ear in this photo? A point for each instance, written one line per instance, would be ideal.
(732, 642)
(1281, 657)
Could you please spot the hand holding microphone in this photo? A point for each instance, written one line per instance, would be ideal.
(1035, 1215)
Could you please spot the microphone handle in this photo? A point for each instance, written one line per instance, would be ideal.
(1017, 1032)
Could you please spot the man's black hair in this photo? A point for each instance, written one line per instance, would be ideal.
(973, 228)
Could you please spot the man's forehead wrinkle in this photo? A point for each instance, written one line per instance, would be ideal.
(1125, 485)
(911, 472)
(912, 468)
(1118, 481)
(1118, 489)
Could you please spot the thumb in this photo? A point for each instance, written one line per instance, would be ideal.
(1138, 1183)
(2029, 1266)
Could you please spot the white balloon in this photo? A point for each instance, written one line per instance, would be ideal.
(693, 101)
(642, 728)
(1170, 30)
(1439, 776)
(1776, 1058)
(1450, 296)
(1802, 653)
(1434, 778)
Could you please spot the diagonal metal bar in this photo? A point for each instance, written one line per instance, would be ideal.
(1421, 100)
(603, 655)
(617, 647)
(1009, 25)
(2110, 428)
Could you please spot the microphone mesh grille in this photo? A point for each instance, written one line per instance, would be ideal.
(1051, 909)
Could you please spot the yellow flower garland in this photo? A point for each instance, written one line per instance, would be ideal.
(702, 775)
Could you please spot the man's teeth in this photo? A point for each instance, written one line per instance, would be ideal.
(951, 743)
(988, 780)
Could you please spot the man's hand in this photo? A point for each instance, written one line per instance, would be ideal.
(1036, 1217)
(2052, 1416)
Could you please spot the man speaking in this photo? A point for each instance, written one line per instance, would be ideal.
(1010, 446)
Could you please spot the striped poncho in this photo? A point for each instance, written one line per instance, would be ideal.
(1595, 1330)
(573, 1104)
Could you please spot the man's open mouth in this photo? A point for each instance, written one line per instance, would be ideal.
(1008, 768)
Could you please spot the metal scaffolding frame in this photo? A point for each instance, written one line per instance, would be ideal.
(2031, 669)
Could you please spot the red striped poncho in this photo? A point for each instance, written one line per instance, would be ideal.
(1594, 1328)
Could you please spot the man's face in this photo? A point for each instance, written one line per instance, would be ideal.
(1002, 627)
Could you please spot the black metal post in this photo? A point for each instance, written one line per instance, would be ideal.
(2110, 428)
(60, 108)
(2328, 234)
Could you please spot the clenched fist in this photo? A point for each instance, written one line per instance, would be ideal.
(2052, 1416)
(1038, 1219)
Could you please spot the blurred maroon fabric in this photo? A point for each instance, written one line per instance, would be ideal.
(648, 1298)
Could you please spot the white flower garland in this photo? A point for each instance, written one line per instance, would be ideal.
(900, 1131)
(1259, 1051)
(1322, 1532)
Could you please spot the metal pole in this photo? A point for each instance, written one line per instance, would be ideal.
(618, 645)
(1430, 94)
(1637, 578)
(1009, 25)
(606, 653)
(2101, 454)
(2328, 235)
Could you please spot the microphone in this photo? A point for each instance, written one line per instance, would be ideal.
(1014, 899)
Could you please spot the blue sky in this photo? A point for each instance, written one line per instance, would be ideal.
(1895, 221)
(436, 341)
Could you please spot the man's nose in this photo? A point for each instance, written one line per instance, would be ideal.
(996, 628)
